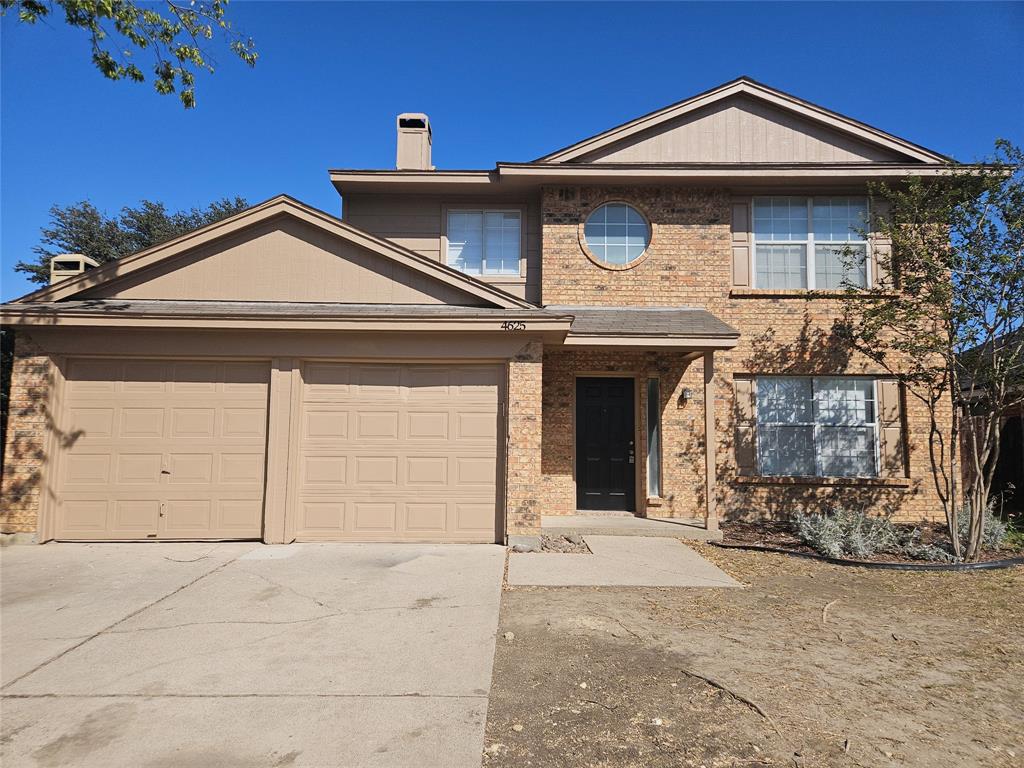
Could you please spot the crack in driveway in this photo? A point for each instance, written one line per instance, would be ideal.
(123, 619)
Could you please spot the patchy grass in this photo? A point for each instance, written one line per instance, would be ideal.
(810, 665)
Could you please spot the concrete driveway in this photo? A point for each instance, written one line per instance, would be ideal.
(165, 655)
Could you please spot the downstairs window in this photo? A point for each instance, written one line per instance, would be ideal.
(817, 426)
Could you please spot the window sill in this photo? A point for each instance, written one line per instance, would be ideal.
(800, 293)
(862, 482)
(497, 278)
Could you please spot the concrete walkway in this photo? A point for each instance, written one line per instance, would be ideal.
(619, 561)
(627, 525)
(167, 655)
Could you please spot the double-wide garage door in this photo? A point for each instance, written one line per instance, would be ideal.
(155, 449)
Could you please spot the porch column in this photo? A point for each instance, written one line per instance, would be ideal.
(710, 439)
(523, 429)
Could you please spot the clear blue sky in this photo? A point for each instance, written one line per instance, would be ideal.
(499, 81)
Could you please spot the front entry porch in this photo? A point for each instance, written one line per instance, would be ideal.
(624, 430)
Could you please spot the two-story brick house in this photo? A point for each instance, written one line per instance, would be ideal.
(640, 322)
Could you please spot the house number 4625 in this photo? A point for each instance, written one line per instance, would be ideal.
(513, 325)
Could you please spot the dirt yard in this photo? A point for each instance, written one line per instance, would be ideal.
(810, 665)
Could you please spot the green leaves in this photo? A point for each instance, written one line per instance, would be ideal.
(179, 37)
(82, 228)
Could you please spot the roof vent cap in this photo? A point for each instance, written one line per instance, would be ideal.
(67, 265)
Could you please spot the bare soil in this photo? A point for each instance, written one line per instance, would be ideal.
(783, 536)
(809, 665)
(566, 545)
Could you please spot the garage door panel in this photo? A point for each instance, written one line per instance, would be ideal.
(324, 424)
(326, 470)
(427, 425)
(193, 422)
(141, 422)
(398, 452)
(240, 515)
(197, 427)
(378, 382)
(86, 514)
(426, 517)
(375, 471)
(190, 468)
(91, 423)
(87, 469)
(426, 470)
(139, 516)
(478, 425)
(139, 468)
(244, 423)
(245, 468)
(376, 425)
(374, 516)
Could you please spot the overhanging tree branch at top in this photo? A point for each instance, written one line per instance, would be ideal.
(179, 39)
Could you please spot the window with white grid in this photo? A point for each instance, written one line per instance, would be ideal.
(840, 250)
(484, 242)
(810, 242)
(816, 426)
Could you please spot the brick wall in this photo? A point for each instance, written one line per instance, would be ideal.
(689, 264)
(682, 425)
(26, 435)
(523, 464)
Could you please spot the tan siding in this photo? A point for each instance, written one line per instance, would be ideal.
(740, 129)
(284, 260)
(417, 223)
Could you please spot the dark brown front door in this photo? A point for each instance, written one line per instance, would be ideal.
(605, 448)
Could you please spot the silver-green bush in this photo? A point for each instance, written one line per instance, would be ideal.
(845, 533)
(994, 530)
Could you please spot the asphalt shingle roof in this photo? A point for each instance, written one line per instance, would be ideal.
(644, 321)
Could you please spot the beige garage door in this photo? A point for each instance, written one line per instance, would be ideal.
(158, 449)
(398, 452)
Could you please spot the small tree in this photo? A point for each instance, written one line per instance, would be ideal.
(945, 317)
(178, 37)
(83, 228)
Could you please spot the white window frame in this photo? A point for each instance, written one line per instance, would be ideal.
(816, 427)
(808, 244)
(450, 209)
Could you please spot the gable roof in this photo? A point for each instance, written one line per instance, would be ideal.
(281, 205)
(746, 86)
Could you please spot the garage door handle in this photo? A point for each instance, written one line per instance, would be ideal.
(165, 471)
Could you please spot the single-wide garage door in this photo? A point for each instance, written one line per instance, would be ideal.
(162, 449)
(398, 452)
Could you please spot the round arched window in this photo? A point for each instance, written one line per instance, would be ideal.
(616, 234)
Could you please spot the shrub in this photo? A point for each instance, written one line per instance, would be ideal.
(993, 533)
(846, 533)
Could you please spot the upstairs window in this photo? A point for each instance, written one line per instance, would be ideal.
(617, 234)
(810, 242)
(484, 242)
(816, 427)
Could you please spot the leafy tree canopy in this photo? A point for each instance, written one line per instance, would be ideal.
(83, 228)
(947, 316)
(178, 37)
